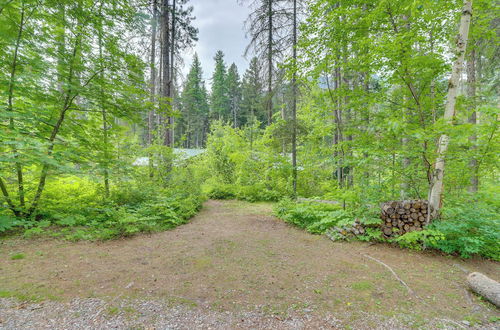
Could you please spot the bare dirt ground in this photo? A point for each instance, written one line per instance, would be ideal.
(234, 266)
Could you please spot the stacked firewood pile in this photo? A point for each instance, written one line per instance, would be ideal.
(400, 217)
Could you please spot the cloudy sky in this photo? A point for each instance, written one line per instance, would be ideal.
(220, 24)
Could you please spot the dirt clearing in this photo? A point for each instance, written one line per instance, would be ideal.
(235, 263)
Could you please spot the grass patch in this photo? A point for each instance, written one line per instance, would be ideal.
(175, 301)
(112, 310)
(30, 294)
(362, 286)
(18, 256)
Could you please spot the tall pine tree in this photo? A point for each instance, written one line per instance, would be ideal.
(219, 101)
(252, 101)
(234, 94)
(194, 119)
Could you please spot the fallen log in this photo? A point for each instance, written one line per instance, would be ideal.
(485, 287)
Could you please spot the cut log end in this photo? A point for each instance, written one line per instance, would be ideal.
(485, 287)
(405, 216)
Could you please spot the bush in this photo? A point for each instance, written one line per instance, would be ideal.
(463, 231)
(221, 191)
(7, 223)
(75, 209)
(329, 221)
(471, 230)
(69, 195)
(468, 237)
(420, 240)
(316, 218)
(254, 193)
(257, 193)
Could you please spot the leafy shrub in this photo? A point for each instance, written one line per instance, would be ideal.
(246, 171)
(131, 195)
(68, 196)
(314, 217)
(8, 223)
(75, 209)
(468, 237)
(257, 193)
(464, 231)
(470, 229)
(371, 234)
(419, 240)
(329, 221)
(254, 193)
(222, 191)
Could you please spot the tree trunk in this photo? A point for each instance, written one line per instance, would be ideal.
(338, 137)
(436, 187)
(270, 63)
(10, 108)
(166, 80)
(294, 102)
(6, 196)
(172, 72)
(485, 286)
(68, 101)
(471, 93)
(406, 160)
(104, 114)
(152, 68)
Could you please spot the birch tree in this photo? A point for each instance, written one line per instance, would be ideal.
(436, 187)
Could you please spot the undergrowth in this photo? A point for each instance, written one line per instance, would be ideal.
(314, 217)
(74, 208)
(463, 230)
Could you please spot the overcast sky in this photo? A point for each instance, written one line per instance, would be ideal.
(220, 24)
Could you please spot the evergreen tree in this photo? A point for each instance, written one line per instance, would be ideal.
(194, 107)
(219, 101)
(252, 101)
(234, 93)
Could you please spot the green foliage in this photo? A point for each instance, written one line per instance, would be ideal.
(242, 169)
(469, 231)
(372, 93)
(254, 193)
(371, 235)
(257, 193)
(316, 218)
(329, 221)
(219, 98)
(18, 256)
(222, 191)
(464, 230)
(419, 240)
(194, 106)
(8, 222)
(252, 101)
(75, 210)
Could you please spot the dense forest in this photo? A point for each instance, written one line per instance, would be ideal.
(249, 164)
(353, 103)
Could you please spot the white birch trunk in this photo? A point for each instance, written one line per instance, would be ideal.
(436, 187)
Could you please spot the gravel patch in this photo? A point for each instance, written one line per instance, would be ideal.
(92, 313)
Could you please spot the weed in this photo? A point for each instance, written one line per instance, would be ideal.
(362, 285)
(18, 256)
